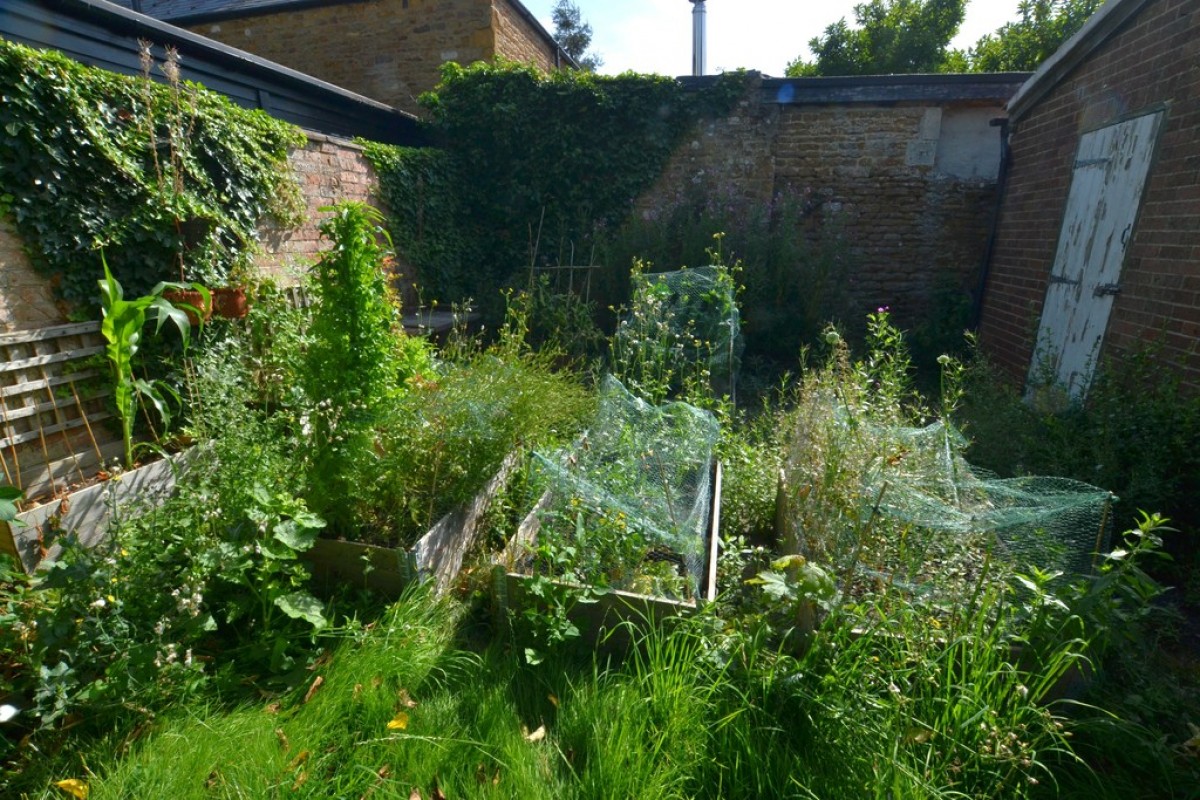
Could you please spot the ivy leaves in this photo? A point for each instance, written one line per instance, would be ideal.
(90, 159)
(526, 157)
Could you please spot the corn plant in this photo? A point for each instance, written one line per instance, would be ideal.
(122, 324)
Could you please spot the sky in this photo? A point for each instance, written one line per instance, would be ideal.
(765, 35)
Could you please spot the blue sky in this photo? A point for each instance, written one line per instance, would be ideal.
(656, 35)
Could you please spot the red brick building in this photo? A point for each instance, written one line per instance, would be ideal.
(1097, 249)
(387, 50)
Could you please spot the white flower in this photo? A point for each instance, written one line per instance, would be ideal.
(7, 712)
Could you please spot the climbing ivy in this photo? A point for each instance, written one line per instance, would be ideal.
(165, 178)
(522, 152)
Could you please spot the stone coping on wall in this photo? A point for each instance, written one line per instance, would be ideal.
(996, 88)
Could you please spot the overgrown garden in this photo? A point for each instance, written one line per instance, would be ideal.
(879, 628)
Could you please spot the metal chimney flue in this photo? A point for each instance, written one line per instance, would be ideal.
(699, 36)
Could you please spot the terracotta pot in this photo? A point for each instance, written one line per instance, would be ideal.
(230, 302)
(192, 298)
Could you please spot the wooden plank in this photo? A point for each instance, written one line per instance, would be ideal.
(71, 424)
(53, 358)
(86, 513)
(42, 479)
(47, 383)
(439, 553)
(61, 402)
(45, 334)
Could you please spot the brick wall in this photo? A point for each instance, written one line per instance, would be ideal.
(908, 188)
(328, 170)
(26, 299)
(388, 50)
(1152, 60)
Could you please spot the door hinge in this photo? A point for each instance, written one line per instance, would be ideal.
(1061, 279)
(1107, 290)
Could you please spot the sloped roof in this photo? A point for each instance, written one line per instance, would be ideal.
(107, 35)
(197, 10)
(1095, 32)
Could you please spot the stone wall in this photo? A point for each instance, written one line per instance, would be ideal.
(907, 187)
(1150, 62)
(518, 40)
(388, 50)
(328, 170)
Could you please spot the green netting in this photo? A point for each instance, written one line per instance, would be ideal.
(681, 325)
(631, 499)
(935, 518)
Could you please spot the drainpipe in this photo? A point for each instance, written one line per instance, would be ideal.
(699, 13)
(990, 247)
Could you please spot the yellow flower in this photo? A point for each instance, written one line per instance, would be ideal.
(399, 722)
(74, 787)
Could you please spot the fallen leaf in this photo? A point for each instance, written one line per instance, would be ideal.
(405, 700)
(399, 722)
(274, 708)
(415, 794)
(553, 700)
(300, 758)
(74, 787)
(283, 740)
(376, 682)
(437, 793)
(537, 735)
(358, 687)
(214, 778)
(300, 780)
(316, 684)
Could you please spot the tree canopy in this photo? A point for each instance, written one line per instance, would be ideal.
(1043, 26)
(574, 35)
(890, 36)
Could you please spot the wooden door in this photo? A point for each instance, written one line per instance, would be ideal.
(1110, 172)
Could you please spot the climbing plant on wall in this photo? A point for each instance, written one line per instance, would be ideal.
(519, 152)
(169, 179)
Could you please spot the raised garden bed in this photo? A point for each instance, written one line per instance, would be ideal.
(437, 556)
(607, 620)
(87, 512)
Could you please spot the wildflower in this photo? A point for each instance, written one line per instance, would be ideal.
(943, 359)
(7, 712)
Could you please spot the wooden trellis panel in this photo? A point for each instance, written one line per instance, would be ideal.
(52, 412)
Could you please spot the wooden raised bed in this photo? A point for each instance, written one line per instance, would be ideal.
(608, 620)
(437, 556)
(87, 512)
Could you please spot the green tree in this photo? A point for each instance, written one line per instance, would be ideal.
(1025, 43)
(574, 35)
(890, 36)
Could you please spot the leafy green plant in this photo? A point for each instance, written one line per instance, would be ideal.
(121, 328)
(358, 356)
(9, 497)
(466, 215)
(79, 150)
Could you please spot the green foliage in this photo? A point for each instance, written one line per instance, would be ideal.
(355, 362)
(791, 261)
(443, 439)
(122, 331)
(9, 497)
(574, 35)
(890, 37)
(166, 179)
(1134, 435)
(1043, 27)
(531, 157)
(681, 335)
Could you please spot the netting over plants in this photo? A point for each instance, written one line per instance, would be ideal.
(683, 330)
(923, 515)
(628, 506)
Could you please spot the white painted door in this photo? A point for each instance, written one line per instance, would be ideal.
(1106, 191)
